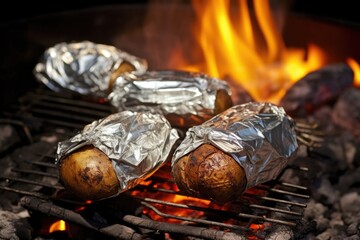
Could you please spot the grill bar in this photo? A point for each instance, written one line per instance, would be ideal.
(187, 219)
(46, 95)
(25, 193)
(57, 122)
(35, 172)
(118, 231)
(283, 192)
(275, 210)
(60, 111)
(56, 114)
(293, 186)
(277, 200)
(80, 110)
(22, 180)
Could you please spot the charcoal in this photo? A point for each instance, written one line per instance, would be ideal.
(351, 178)
(318, 88)
(336, 221)
(353, 237)
(325, 235)
(316, 211)
(326, 192)
(352, 229)
(13, 227)
(8, 137)
(280, 232)
(350, 206)
(346, 111)
(23, 229)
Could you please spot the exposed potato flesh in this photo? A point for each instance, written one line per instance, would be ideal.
(124, 67)
(223, 101)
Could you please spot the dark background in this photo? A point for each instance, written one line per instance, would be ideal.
(345, 11)
(15, 11)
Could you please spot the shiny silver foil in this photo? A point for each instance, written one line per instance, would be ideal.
(175, 94)
(137, 143)
(259, 136)
(83, 67)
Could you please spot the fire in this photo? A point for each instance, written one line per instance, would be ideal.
(245, 47)
(174, 198)
(356, 68)
(57, 226)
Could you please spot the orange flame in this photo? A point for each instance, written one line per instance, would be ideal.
(356, 68)
(175, 198)
(57, 226)
(249, 50)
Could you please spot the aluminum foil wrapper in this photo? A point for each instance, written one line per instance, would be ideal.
(179, 95)
(83, 67)
(137, 144)
(261, 137)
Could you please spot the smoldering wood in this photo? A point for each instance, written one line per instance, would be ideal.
(46, 207)
(316, 89)
(123, 232)
(205, 233)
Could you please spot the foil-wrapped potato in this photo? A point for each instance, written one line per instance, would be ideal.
(185, 98)
(87, 68)
(239, 148)
(113, 154)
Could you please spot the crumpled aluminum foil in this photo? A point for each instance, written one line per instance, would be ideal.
(259, 136)
(137, 144)
(182, 97)
(83, 67)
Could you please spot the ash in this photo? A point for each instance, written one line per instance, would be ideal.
(334, 167)
(14, 219)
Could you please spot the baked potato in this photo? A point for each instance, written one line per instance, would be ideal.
(124, 67)
(89, 174)
(210, 173)
(242, 147)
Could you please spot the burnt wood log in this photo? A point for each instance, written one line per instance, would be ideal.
(123, 232)
(46, 207)
(317, 89)
(346, 112)
(204, 233)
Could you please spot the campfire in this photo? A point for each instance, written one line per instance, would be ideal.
(240, 42)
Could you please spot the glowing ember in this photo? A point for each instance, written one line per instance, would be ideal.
(57, 226)
(249, 49)
(257, 227)
(82, 208)
(174, 198)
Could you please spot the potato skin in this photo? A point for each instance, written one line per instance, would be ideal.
(223, 101)
(124, 67)
(208, 172)
(89, 174)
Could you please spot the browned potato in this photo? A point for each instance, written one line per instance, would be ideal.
(210, 173)
(124, 67)
(223, 101)
(89, 174)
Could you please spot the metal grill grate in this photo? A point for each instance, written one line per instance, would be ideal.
(275, 202)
